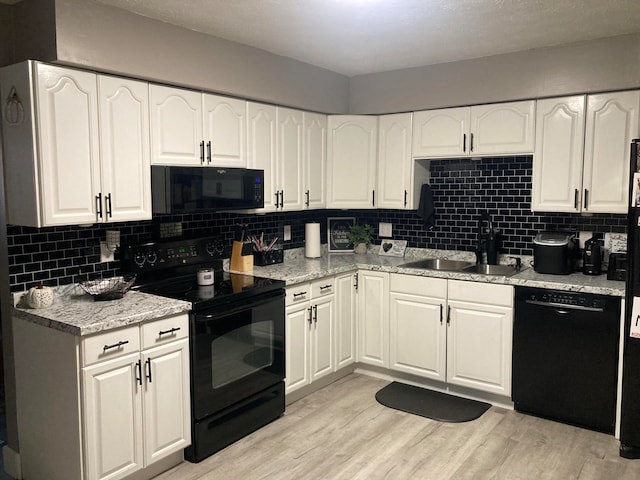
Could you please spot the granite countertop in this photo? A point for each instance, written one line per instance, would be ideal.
(75, 312)
(298, 269)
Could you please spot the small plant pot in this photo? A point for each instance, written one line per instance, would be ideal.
(360, 248)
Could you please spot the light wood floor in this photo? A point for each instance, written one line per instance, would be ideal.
(341, 432)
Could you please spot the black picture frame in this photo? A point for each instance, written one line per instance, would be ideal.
(337, 229)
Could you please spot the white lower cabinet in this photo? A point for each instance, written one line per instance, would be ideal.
(309, 327)
(346, 316)
(122, 400)
(452, 331)
(373, 318)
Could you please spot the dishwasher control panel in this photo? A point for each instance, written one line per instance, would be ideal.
(569, 299)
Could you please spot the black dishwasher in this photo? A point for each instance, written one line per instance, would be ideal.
(565, 356)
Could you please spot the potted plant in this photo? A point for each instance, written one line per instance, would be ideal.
(361, 236)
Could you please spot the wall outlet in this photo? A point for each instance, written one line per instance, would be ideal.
(106, 255)
(287, 233)
(385, 229)
(583, 237)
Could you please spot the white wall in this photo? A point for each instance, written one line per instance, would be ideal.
(601, 65)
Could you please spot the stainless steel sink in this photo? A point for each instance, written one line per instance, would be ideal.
(506, 270)
(439, 264)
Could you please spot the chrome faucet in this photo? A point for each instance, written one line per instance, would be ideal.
(487, 239)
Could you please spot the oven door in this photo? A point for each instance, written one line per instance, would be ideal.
(237, 350)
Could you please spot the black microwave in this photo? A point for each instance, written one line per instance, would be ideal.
(202, 189)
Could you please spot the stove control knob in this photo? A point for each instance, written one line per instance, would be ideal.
(138, 258)
(152, 256)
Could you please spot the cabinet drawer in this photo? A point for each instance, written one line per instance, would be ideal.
(476, 292)
(111, 344)
(159, 332)
(298, 294)
(416, 285)
(323, 287)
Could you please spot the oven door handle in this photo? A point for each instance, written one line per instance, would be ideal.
(236, 307)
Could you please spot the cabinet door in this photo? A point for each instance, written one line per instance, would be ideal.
(113, 418)
(167, 408)
(502, 128)
(297, 331)
(394, 161)
(225, 131)
(479, 347)
(418, 342)
(441, 133)
(322, 344)
(373, 318)
(557, 164)
(124, 149)
(315, 160)
(68, 145)
(262, 150)
(346, 314)
(612, 122)
(290, 174)
(176, 126)
(351, 161)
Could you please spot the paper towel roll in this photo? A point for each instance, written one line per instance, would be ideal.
(312, 240)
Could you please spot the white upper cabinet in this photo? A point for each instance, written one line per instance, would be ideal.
(582, 152)
(352, 161)
(441, 133)
(124, 148)
(395, 188)
(262, 151)
(315, 160)
(80, 153)
(196, 129)
(483, 130)
(176, 126)
(290, 167)
(225, 131)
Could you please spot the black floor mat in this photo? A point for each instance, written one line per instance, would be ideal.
(427, 403)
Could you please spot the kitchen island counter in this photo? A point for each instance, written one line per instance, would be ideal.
(75, 312)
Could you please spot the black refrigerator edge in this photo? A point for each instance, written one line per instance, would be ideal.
(630, 411)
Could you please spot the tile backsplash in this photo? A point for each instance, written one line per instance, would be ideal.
(461, 188)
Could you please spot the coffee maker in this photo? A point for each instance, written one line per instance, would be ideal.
(592, 257)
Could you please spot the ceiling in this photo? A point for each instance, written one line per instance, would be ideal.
(355, 37)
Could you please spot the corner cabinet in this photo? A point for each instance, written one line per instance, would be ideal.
(482, 130)
(197, 129)
(77, 148)
(124, 400)
(582, 152)
(352, 161)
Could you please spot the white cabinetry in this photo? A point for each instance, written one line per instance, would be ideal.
(310, 324)
(373, 318)
(418, 334)
(346, 316)
(262, 150)
(452, 331)
(290, 167)
(80, 154)
(315, 160)
(196, 129)
(121, 404)
(352, 161)
(479, 336)
(483, 130)
(582, 152)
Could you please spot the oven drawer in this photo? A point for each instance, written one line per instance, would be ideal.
(159, 332)
(298, 294)
(111, 344)
(323, 287)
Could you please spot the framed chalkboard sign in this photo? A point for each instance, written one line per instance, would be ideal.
(337, 230)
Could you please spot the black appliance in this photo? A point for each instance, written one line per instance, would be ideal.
(555, 253)
(565, 356)
(196, 189)
(630, 412)
(592, 257)
(236, 338)
(617, 269)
